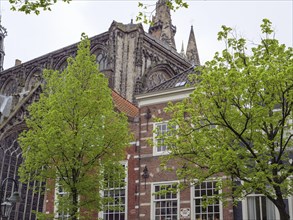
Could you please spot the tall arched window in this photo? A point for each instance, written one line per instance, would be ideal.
(102, 61)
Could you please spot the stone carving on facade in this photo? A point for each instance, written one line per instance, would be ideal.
(49, 62)
(156, 78)
(36, 79)
(138, 52)
(18, 109)
(9, 87)
(138, 86)
(166, 39)
(33, 78)
(157, 75)
(120, 34)
(61, 64)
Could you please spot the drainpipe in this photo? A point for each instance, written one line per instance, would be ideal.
(139, 161)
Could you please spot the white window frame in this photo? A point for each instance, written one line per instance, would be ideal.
(155, 141)
(290, 204)
(245, 206)
(125, 164)
(153, 200)
(192, 198)
(56, 194)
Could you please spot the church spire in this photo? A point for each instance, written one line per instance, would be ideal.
(162, 27)
(182, 51)
(191, 51)
(3, 34)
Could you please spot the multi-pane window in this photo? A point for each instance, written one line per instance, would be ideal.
(60, 195)
(165, 203)
(161, 129)
(115, 196)
(260, 208)
(206, 206)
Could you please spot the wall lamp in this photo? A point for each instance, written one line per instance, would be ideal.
(145, 175)
(184, 168)
(8, 203)
(148, 116)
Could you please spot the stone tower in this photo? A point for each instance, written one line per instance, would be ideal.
(162, 27)
(191, 51)
(3, 34)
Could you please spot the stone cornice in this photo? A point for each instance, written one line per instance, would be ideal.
(170, 95)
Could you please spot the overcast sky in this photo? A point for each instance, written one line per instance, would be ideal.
(30, 36)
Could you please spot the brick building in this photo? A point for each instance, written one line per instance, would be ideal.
(145, 73)
(188, 203)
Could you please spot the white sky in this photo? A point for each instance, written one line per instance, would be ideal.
(30, 36)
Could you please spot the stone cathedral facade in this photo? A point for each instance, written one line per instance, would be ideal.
(134, 60)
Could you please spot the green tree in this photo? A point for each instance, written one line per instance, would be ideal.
(238, 121)
(74, 135)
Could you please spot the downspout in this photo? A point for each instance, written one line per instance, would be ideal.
(139, 160)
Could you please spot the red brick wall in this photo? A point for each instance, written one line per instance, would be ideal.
(49, 197)
(156, 173)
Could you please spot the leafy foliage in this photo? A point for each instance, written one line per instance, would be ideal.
(238, 121)
(74, 135)
(33, 6)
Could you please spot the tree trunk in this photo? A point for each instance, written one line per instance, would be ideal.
(74, 208)
(282, 210)
(281, 205)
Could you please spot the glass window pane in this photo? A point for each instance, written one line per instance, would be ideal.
(115, 209)
(166, 204)
(202, 193)
(161, 128)
(259, 207)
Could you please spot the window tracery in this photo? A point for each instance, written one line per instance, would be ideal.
(102, 61)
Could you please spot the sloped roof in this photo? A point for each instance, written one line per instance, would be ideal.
(180, 80)
(123, 105)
